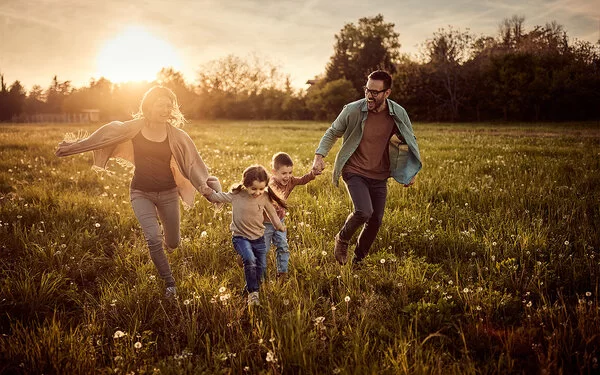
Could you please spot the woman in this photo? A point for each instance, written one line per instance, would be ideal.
(167, 166)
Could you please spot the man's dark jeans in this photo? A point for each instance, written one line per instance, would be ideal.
(369, 197)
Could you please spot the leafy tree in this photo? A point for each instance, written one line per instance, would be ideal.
(359, 49)
(56, 94)
(326, 99)
(35, 101)
(446, 52)
(174, 80)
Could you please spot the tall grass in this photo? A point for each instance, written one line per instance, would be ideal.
(489, 264)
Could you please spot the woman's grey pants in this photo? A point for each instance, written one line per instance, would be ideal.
(149, 208)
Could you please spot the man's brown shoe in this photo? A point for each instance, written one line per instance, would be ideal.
(340, 250)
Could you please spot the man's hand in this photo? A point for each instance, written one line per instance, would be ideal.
(412, 181)
(318, 164)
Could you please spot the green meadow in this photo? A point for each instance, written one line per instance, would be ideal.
(489, 264)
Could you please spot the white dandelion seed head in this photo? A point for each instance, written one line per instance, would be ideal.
(119, 334)
(222, 289)
(137, 345)
(271, 357)
(347, 299)
(382, 261)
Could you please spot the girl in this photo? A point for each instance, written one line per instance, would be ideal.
(167, 166)
(249, 200)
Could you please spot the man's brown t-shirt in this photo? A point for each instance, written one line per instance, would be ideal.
(371, 159)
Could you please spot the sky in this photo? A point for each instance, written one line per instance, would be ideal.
(82, 39)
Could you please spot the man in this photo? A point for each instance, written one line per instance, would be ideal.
(378, 143)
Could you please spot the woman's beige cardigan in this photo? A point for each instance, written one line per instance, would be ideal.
(113, 140)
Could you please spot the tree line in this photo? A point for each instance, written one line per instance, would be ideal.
(516, 75)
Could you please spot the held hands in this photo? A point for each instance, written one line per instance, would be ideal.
(318, 165)
(282, 228)
(205, 190)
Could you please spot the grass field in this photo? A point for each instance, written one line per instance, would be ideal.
(489, 264)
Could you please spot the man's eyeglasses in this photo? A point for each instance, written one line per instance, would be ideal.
(373, 93)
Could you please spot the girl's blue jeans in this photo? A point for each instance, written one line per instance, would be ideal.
(254, 255)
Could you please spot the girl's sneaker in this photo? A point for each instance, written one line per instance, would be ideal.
(253, 299)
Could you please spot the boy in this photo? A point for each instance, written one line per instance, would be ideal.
(282, 182)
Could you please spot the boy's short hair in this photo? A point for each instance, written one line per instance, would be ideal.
(281, 159)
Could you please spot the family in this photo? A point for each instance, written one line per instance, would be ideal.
(377, 143)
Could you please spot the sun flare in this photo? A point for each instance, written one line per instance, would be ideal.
(135, 55)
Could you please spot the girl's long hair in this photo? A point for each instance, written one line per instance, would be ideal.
(258, 173)
(176, 118)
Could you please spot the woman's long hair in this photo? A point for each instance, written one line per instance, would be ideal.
(176, 118)
(257, 173)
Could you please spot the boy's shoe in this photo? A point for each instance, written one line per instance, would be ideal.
(340, 250)
(171, 292)
(239, 260)
(253, 299)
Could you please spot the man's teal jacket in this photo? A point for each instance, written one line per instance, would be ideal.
(405, 159)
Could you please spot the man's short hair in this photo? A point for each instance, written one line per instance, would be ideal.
(382, 75)
(282, 159)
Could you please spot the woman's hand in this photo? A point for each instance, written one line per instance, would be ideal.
(205, 190)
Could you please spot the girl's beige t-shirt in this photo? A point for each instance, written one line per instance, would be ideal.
(247, 213)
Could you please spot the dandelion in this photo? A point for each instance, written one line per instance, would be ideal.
(246, 369)
(286, 302)
(224, 297)
(152, 277)
(566, 243)
(347, 299)
(19, 216)
(466, 290)
(119, 334)
(97, 225)
(588, 294)
(137, 345)
(271, 357)
(222, 289)
(324, 253)
(203, 234)
(272, 339)
(529, 304)
(260, 341)
(333, 308)
(186, 302)
(466, 204)
(478, 308)
(319, 320)
(382, 261)
(494, 243)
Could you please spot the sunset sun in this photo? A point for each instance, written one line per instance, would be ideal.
(135, 55)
